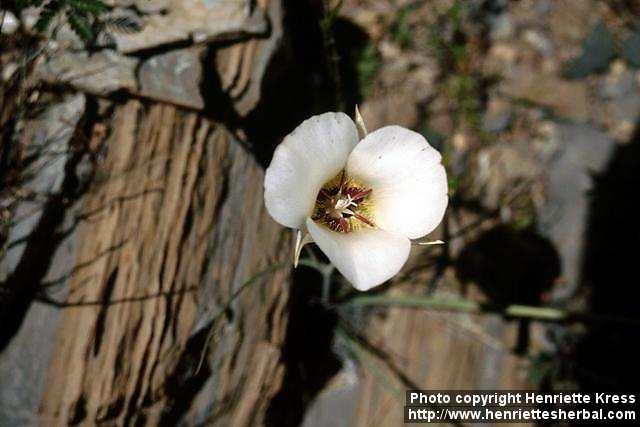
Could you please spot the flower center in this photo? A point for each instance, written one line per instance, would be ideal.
(343, 205)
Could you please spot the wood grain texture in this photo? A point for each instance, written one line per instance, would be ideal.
(242, 67)
(173, 225)
(431, 350)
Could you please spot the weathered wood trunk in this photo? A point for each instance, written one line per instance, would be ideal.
(177, 223)
(152, 257)
(142, 279)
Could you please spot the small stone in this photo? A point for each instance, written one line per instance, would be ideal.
(461, 142)
(8, 71)
(539, 41)
(500, 57)
(53, 45)
(9, 22)
(498, 116)
(29, 17)
(199, 37)
(623, 113)
(501, 27)
(618, 83)
(389, 50)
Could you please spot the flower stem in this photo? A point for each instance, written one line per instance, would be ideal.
(326, 270)
(461, 305)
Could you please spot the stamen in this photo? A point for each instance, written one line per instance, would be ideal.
(344, 225)
(343, 205)
(363, 219)
(360, 195)
(343, 175)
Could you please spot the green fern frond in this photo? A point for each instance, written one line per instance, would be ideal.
(49, 12)
(93, 7)
(80, 26)
(121, 24)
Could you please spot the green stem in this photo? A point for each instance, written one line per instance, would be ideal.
(326, 270)
(461, 305)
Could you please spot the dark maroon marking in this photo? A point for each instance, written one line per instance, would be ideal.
(344, 225)
(359, 195)
(324, 193)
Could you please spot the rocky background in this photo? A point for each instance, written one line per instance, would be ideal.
(143, 282)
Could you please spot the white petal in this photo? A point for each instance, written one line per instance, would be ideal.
(307, 158)
(409, 184)
(367, 257)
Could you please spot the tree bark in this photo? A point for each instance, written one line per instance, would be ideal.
(170, 228)
(141, 279)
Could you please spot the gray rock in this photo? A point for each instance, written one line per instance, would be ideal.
(173, 77)
(101, 73)
(24, 362)
(48, 139)
(335, 405)
(199, 20)
(583, 150)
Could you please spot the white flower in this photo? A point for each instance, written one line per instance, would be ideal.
(360, 202)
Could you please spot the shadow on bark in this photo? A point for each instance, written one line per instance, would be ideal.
(308, 351)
